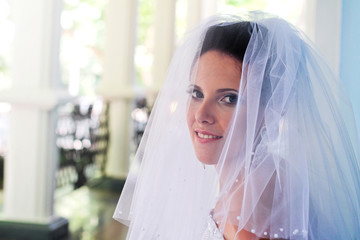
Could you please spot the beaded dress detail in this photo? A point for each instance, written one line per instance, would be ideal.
(212, 232)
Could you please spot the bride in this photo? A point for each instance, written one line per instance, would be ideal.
(251, 137)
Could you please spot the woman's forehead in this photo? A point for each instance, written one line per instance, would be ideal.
(215, 68)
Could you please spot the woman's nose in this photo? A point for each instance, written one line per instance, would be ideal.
(205, 114)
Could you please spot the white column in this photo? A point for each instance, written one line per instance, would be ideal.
(209, 8)
(117, 84)
(32, 159)
(323, 26)
(163, 39)
(193, 13)
(198, 10)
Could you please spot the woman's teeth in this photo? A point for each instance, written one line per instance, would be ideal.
(207, 136)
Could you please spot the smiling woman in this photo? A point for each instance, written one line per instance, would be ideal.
(249, 99)
(214, 96)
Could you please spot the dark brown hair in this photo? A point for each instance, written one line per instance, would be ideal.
(229, 38)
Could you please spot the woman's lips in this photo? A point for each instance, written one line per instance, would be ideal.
(205, 137)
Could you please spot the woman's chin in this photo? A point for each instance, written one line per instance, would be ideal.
(206, 159)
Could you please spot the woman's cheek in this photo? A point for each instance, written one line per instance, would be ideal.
(193, 107)
(190, 117)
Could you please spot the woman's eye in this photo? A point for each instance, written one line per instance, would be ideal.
(196, 94)
(230, 99)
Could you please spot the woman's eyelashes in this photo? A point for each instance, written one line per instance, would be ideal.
(231, 99)
(195, 93)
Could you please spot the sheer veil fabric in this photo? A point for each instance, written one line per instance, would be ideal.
(287, 166)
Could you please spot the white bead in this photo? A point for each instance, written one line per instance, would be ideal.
(253, 230)
(265, 233)
(276, 235)
(236, 180)
(295, 231)
(281, 229)
(238, 218)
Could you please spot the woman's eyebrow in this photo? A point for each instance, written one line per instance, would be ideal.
(226, 90)
(194, 86)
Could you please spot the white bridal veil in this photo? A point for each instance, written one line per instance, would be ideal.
(289, 164)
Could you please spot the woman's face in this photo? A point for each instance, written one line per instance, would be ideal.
(214, 94)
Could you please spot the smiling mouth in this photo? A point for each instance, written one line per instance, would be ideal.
(207, 136)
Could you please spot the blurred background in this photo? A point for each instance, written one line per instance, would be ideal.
(78, 79)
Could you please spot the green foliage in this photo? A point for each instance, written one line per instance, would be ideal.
(238, 3)
(84, 30)
(145, 19)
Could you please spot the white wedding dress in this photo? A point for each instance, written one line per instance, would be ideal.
(212, 232)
